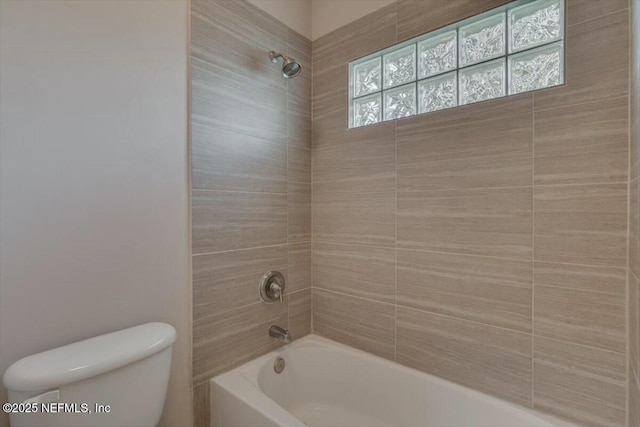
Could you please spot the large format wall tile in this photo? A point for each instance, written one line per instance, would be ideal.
(216, 97)
(299, 125)
(416, 17)
(362, 271)
(582, 224)
(482, 145)
(482, 193)
(298, 164)
(225, 160)
(583, 384)
(633, 322)
(355, 135)
(251, 196)
(634, 104)
(583, 143)
(300, 313)
(225, 281)
(368, 165)
(634, 401)
(495, 291)
(299, 257)
(633, 302)
(366, 35)
(494, 360)
(201, 412)
(299, 212)
(580, 10)
(331, 53)
(634, 227)
(596, 64)
(364, 324)
(225, 221)
(264, 29)
(367, 218)
(495, 222)
(223, 33)
(330, 110)
(224, 340)
(581, 304)
(299, 88)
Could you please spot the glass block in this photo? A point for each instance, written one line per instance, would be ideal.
(400, 102)
(437, 54)
(536, 69)
(400, 66)
(367, 110)
(534, 24)
(438, 93)
(482, 82)
(482, 40)
(367, 77)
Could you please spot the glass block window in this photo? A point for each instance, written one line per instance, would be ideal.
(518, 47)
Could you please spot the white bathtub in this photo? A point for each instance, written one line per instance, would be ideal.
(328, 384)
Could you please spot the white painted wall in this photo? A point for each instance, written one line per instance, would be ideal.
(329, 15)
(295, 14)
(94, 216)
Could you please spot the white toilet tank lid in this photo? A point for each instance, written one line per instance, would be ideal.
(88, 358)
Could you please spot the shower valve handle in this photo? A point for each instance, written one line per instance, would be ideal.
(272, 287)
(276, 290)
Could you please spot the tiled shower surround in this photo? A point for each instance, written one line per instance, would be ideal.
(251, 186)
(486, 244)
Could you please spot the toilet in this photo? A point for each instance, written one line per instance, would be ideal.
(116, 379)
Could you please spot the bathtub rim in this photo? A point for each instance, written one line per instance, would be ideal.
(255, 396)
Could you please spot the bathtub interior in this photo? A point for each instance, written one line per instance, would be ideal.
(328, 384)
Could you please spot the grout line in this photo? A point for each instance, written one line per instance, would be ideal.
(251, 248)
(288, 83)
(464, 254)
(577, 104)
(634, 275)
(577, 289)
(512, 330)
(629, 371)
(429, 312)
(203, 190)
(533, 245)
(328, 242)
(459, 319)
(189, 119)
(596, 17)
(564, 341)
(312, 149)
(582, 184)
(395, 298)
(570, 184)
(299, 291)
(331, 291)
(395, 242)
(209, 316)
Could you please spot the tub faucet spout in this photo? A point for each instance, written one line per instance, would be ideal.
(279, 333)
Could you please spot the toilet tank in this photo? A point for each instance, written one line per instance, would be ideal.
(116, 379)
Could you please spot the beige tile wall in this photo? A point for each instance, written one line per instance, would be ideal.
(485, 244)
(251, 186)
(634, 224)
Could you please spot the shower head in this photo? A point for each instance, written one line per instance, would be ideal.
(290, 68)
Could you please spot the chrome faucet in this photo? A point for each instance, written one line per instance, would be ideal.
(277, 332)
